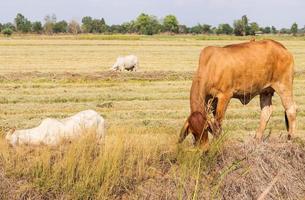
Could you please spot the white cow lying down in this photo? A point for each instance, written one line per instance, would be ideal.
(52, 131)
(129, 63)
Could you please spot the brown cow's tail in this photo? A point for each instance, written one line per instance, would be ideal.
(184, 132)
(286, 122)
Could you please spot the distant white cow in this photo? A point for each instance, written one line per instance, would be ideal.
(129, 63)
(52, 131)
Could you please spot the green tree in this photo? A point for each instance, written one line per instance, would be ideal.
(206, 28)
(196, 29)
(245, 25)
(147, 25)
(98, 26)
(183, 29)
(49, 23)
(115, 28)
(302, 30)
(294, 29)
(285, 31)
(60, 27)
(253, 28)
(129, 27)
(90, 25)
(87, 24)
(37, 27)
(201, 28)
(242, 27)
(267, 29)
(170, 24)
(224, 29)
(9, 25)
(238, 27)
(22, 24)
(273, 30)
(7, 32)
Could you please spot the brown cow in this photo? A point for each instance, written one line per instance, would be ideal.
(240, 71)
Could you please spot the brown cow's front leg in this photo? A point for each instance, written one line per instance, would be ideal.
(222, 105)
(266, 111)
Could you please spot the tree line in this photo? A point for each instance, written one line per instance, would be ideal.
(144, 24)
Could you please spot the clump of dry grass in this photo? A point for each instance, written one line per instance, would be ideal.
(153, 166)
(274, 170)
(83, 169)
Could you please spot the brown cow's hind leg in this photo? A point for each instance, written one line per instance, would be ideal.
(266, 111)
(290, 108)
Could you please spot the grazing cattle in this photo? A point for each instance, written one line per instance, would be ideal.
(240, 71)
(129, 63)
(52, 131)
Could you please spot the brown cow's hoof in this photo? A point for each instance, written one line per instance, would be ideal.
(289, 137)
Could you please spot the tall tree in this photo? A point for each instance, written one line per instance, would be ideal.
(267, 29)
(37, 27)
(183, 29)
(74, 27)
(98, 26)
(285, 31)
(93, 25)
(60, 27)
(238, 27)
(87, 24)
(253, 28)
(273, 30)
(22, 24)
(129, 27)
(201, 28)
(170, 24)
(245, 25)
(294, 29)
(224, 29)
(196, 29)
(206, 28)
(50, 21)
(147, 24)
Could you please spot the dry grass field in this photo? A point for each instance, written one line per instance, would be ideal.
(58, 76)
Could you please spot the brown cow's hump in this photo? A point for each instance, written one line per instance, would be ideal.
(245, 44)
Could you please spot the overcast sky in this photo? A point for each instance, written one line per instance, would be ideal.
(281, 13)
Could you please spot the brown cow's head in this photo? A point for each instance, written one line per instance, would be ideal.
(197, 124)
